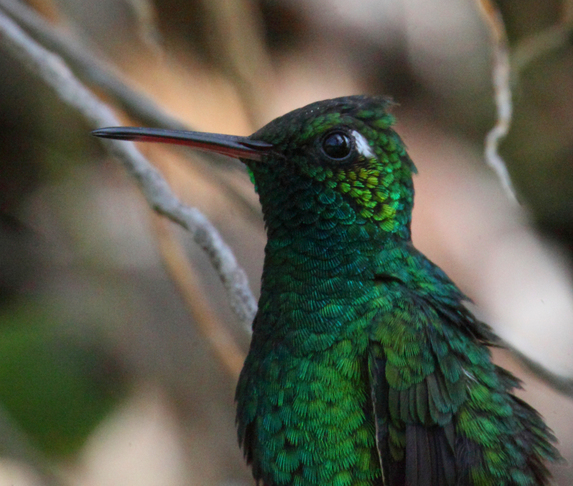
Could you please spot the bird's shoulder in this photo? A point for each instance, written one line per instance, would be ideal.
(419, 294)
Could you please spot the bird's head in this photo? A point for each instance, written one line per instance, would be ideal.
(338, 154)
(333, 162)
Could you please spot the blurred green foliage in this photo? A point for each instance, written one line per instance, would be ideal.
(55, 384)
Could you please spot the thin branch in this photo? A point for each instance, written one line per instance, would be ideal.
(540, 44)
(90, 68)
(527, 51)
(93, 71)
(53, 70)
(236, 39)
(501, 72)
(183, 275)
(146, 19)
(560, 383)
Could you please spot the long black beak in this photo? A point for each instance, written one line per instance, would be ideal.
(230, 145)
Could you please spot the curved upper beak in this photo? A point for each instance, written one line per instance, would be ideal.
(230, 145)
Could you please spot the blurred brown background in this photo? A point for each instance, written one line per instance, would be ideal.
(104, 377)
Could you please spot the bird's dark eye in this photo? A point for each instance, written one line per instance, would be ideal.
(337, 145)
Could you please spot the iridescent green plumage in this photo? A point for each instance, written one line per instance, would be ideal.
(363, 354)
(365, 367)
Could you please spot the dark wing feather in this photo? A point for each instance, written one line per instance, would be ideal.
(413, 449)
(429, 457)
(444, 413)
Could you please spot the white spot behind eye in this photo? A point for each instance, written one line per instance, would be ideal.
(362, 145)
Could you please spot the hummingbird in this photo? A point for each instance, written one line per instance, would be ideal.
(366, 368)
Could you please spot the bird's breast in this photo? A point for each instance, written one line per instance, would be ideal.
(309, 416)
